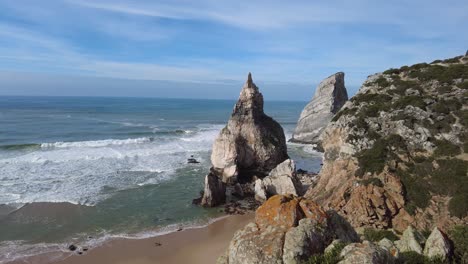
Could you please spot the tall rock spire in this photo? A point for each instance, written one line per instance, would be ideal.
(329, 97)
(252, 143)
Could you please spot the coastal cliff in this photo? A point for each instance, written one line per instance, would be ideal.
(396, 153)
(329, 97)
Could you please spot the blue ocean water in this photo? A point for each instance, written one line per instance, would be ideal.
(119, 164)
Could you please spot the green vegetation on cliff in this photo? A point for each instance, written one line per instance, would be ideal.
(412, 122)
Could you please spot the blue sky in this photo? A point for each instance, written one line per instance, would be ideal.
(205, 48)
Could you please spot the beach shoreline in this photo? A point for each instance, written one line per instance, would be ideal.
(192, 245)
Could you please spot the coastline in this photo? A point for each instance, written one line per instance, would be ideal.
(193, 245)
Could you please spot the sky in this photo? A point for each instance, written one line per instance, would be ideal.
(205, 48)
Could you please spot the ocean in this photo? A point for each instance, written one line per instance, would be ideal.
(84, 170)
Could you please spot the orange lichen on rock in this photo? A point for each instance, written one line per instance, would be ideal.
(313, 210)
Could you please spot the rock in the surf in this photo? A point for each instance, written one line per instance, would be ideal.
(252, 143)
(215, 191)
(329, 97)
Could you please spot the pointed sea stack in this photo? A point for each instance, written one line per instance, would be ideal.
(329, 97)
(251, 144)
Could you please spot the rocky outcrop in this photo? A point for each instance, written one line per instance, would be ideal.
(252, 143)
(329, 97)
(410, 241)
(390, 247)
(287, 229)
(249, 147)
(437, 245)
(214, 192)
(281, 180)
(365, 253)
(388, 150)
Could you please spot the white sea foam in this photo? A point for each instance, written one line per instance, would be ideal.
(78, 172)
(97, 143)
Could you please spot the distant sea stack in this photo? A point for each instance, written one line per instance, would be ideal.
(329, 97)
(251, 144)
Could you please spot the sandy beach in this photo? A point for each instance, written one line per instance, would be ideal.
(197, 245)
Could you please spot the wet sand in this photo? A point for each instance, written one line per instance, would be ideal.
(198, 245)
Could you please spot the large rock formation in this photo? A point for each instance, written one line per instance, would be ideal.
(437, 245)
(395, 154)
(329, 97)
(281, 180)
(287, 229)
(252, 143)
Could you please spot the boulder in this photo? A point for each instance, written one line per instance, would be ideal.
(307, 239)
(280, 210)
(411, 240)
(390, 247)
(365, 253)
(259, 189)
(329, 97)
(215, 191)
(283, 180)
(437, 245)
(252, 143)
(252, 245)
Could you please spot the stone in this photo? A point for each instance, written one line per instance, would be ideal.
(411, 240)
(365, 253)
(252, 143)
(437, 245)
(283, 180)
(329, 97)
(280, 210)
(238, 191)
(390, 247)
(260, 193)
(72, 247)
(214, 192)
(250, 245)
(305, 240)
(314, 211)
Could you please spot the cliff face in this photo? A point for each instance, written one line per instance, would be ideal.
(252, 143)
(396, 153)
(329, 97)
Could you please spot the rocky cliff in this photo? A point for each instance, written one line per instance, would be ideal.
(329, 97)
(251, 144)
(396, 154)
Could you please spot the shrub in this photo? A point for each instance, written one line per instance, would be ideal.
(382, 82)
(373, 181)
(463, 85)
(450, 177)
(446, 148)
(332, 257)
(416, 192)
(376, 235)
(392, 71)
(459, 236)
(414, 100)
(411, 257)
(458, 206)
(344, 111)
(373, 160)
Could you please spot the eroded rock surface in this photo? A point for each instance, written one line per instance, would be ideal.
(252, 143)
(329, 97)
(287, 229)
(365, 253)
(281, 180)
(437, 245)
